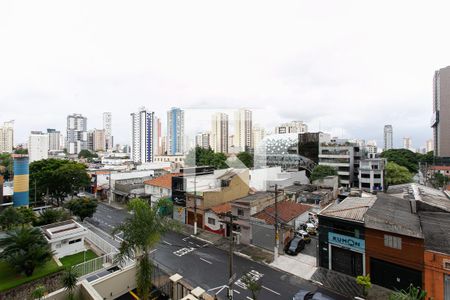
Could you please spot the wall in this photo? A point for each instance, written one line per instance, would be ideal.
(258, 177)
(68, 249)
(434, 274)
(218, 227)
(116, 284)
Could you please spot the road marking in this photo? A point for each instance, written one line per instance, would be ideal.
(183, 251)
(264, 287)
(206, 261)
(219, 288)
(191, 243)
(236, 291)
(205, 245)
(166, 242)
(152, 251)
(197, 245)
(184, 239)
(249, 298)
(203, 240)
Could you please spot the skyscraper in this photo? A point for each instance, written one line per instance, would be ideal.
(7, 137)
(38, 146)
(142, 136)
(158, 135)
(292, 127)
(175, 131)
(243, 129)
(76, 139)
(220, 132)
(203, 140)
(107, 126)
(258, 135)
(54, 139)
(99, 140)
(407, 143)
(429, 145)
(388, 137)
(440, 120)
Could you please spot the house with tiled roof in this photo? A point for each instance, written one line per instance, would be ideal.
(159, 187)
(213, 218)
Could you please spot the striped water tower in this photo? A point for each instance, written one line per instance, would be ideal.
(21, 180)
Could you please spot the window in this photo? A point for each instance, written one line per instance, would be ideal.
(392, 241)
(74, 241)
(378, 176)
(240, 212)
(211, 221)
(447, 264)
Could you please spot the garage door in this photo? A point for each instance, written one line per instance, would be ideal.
(346, 261)
(393, 276)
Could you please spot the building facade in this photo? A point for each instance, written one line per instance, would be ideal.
(371, 174)
(142, 136)
(388, 137)
(407, 143)
(99, 140)
(107, 127)
(7, 137)
(440, 120)
(220, 132)
(292, 127)
(203, 140)
(54, 140)
(258, 135)
(38, 146)
(76, 138)
(175, 131)
(243, 129)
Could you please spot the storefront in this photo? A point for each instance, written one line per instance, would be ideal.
(346, 254)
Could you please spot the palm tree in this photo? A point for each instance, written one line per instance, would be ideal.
(24, 249)
(142, 230)
(69, 281)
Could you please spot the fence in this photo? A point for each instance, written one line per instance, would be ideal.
(94, 265)
(100, 242)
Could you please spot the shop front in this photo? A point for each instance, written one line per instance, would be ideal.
(346, 254)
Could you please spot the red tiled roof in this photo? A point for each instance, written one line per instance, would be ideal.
(164, 181)
(441, 168)
(222, 208)
(287, 210)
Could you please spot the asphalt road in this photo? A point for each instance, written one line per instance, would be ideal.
(204, 265)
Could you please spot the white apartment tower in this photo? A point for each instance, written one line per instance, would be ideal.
(175, 131)
(54, 139)
(142, 136)
(203, 140)
(7, 137)
(107, 127)
(407, 143)
(388, 137)
(220, 132)
(258, 135)
(38, 146)
(243, 129)
(76, 139)
(292, 127)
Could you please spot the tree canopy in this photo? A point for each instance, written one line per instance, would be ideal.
(246, 158)
(50, 216)
(59, 178)
(206, 157)
(87, 154)
(439, 180)
(12, 217)
(6, 165)
(322, 171)
(82, 207)
(396, 174)
(407, 158)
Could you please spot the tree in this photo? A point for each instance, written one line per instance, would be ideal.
(82, 207)
(26, 215)
(6, 165)
(439, 180)
(164, 207)
(58, 178)
(142, 230)
(246, 158)
(403, 157)
(396, 174)
(38, 292)
(9, 218)
(364, 282)
(24, 249)
(322, 171)
(50, 216)
(20, 151)
(69, 281)
(251, 284)
(87, 154)
(411, 293)
(205, 157)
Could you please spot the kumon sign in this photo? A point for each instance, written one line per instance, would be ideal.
(345, 241)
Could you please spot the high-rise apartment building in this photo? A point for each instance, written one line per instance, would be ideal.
(440, 120)
(220, 132)
(203, 140)
(158, 135)
(175, 131)
(292, 127)
(54, 139)
(7, 137)
(258, 135)
(142, 136)
(388, 137)
(407, 143)
(429, 146)
(99, 140)
(76, 139)
(38, 146)
(243, 129)
(107, 127)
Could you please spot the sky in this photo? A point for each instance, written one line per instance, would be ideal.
(345, 67)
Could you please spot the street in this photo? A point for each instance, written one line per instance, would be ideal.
(204, 265)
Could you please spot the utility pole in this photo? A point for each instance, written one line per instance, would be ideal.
(110, 189)
(277, 240)
(195, 203)
(230, 259)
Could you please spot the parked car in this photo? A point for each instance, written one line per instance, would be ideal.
(311, 228)
(304, 235)
(308, 295)
(295, 245)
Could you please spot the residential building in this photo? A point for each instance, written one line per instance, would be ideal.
(264, 179)
(107, 127)
(291, 127)
(99, 140)
(38, 144)
(7, 137)
(371, 174)
(65, 238)
(142, 136)
(76, 138)
(176, 159)
(388, 137)
(220, 132)
(203, 140)
(344, 156)
(243, 129)
(54, 140)
(159, 137)
(407, 143)
(371, 149)
(258, 135)
(175, 131)
(440, 120)
(429, 146)
(90, 140)
(159, 187)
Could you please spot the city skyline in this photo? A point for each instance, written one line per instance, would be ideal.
(306, 78)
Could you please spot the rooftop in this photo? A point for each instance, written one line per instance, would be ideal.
(351, 208)
(222, 208)
(287, 211)
(255, 197)
(164, 181)
(441, 168)
(65, 228)
(393, 214)
(436, 231)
